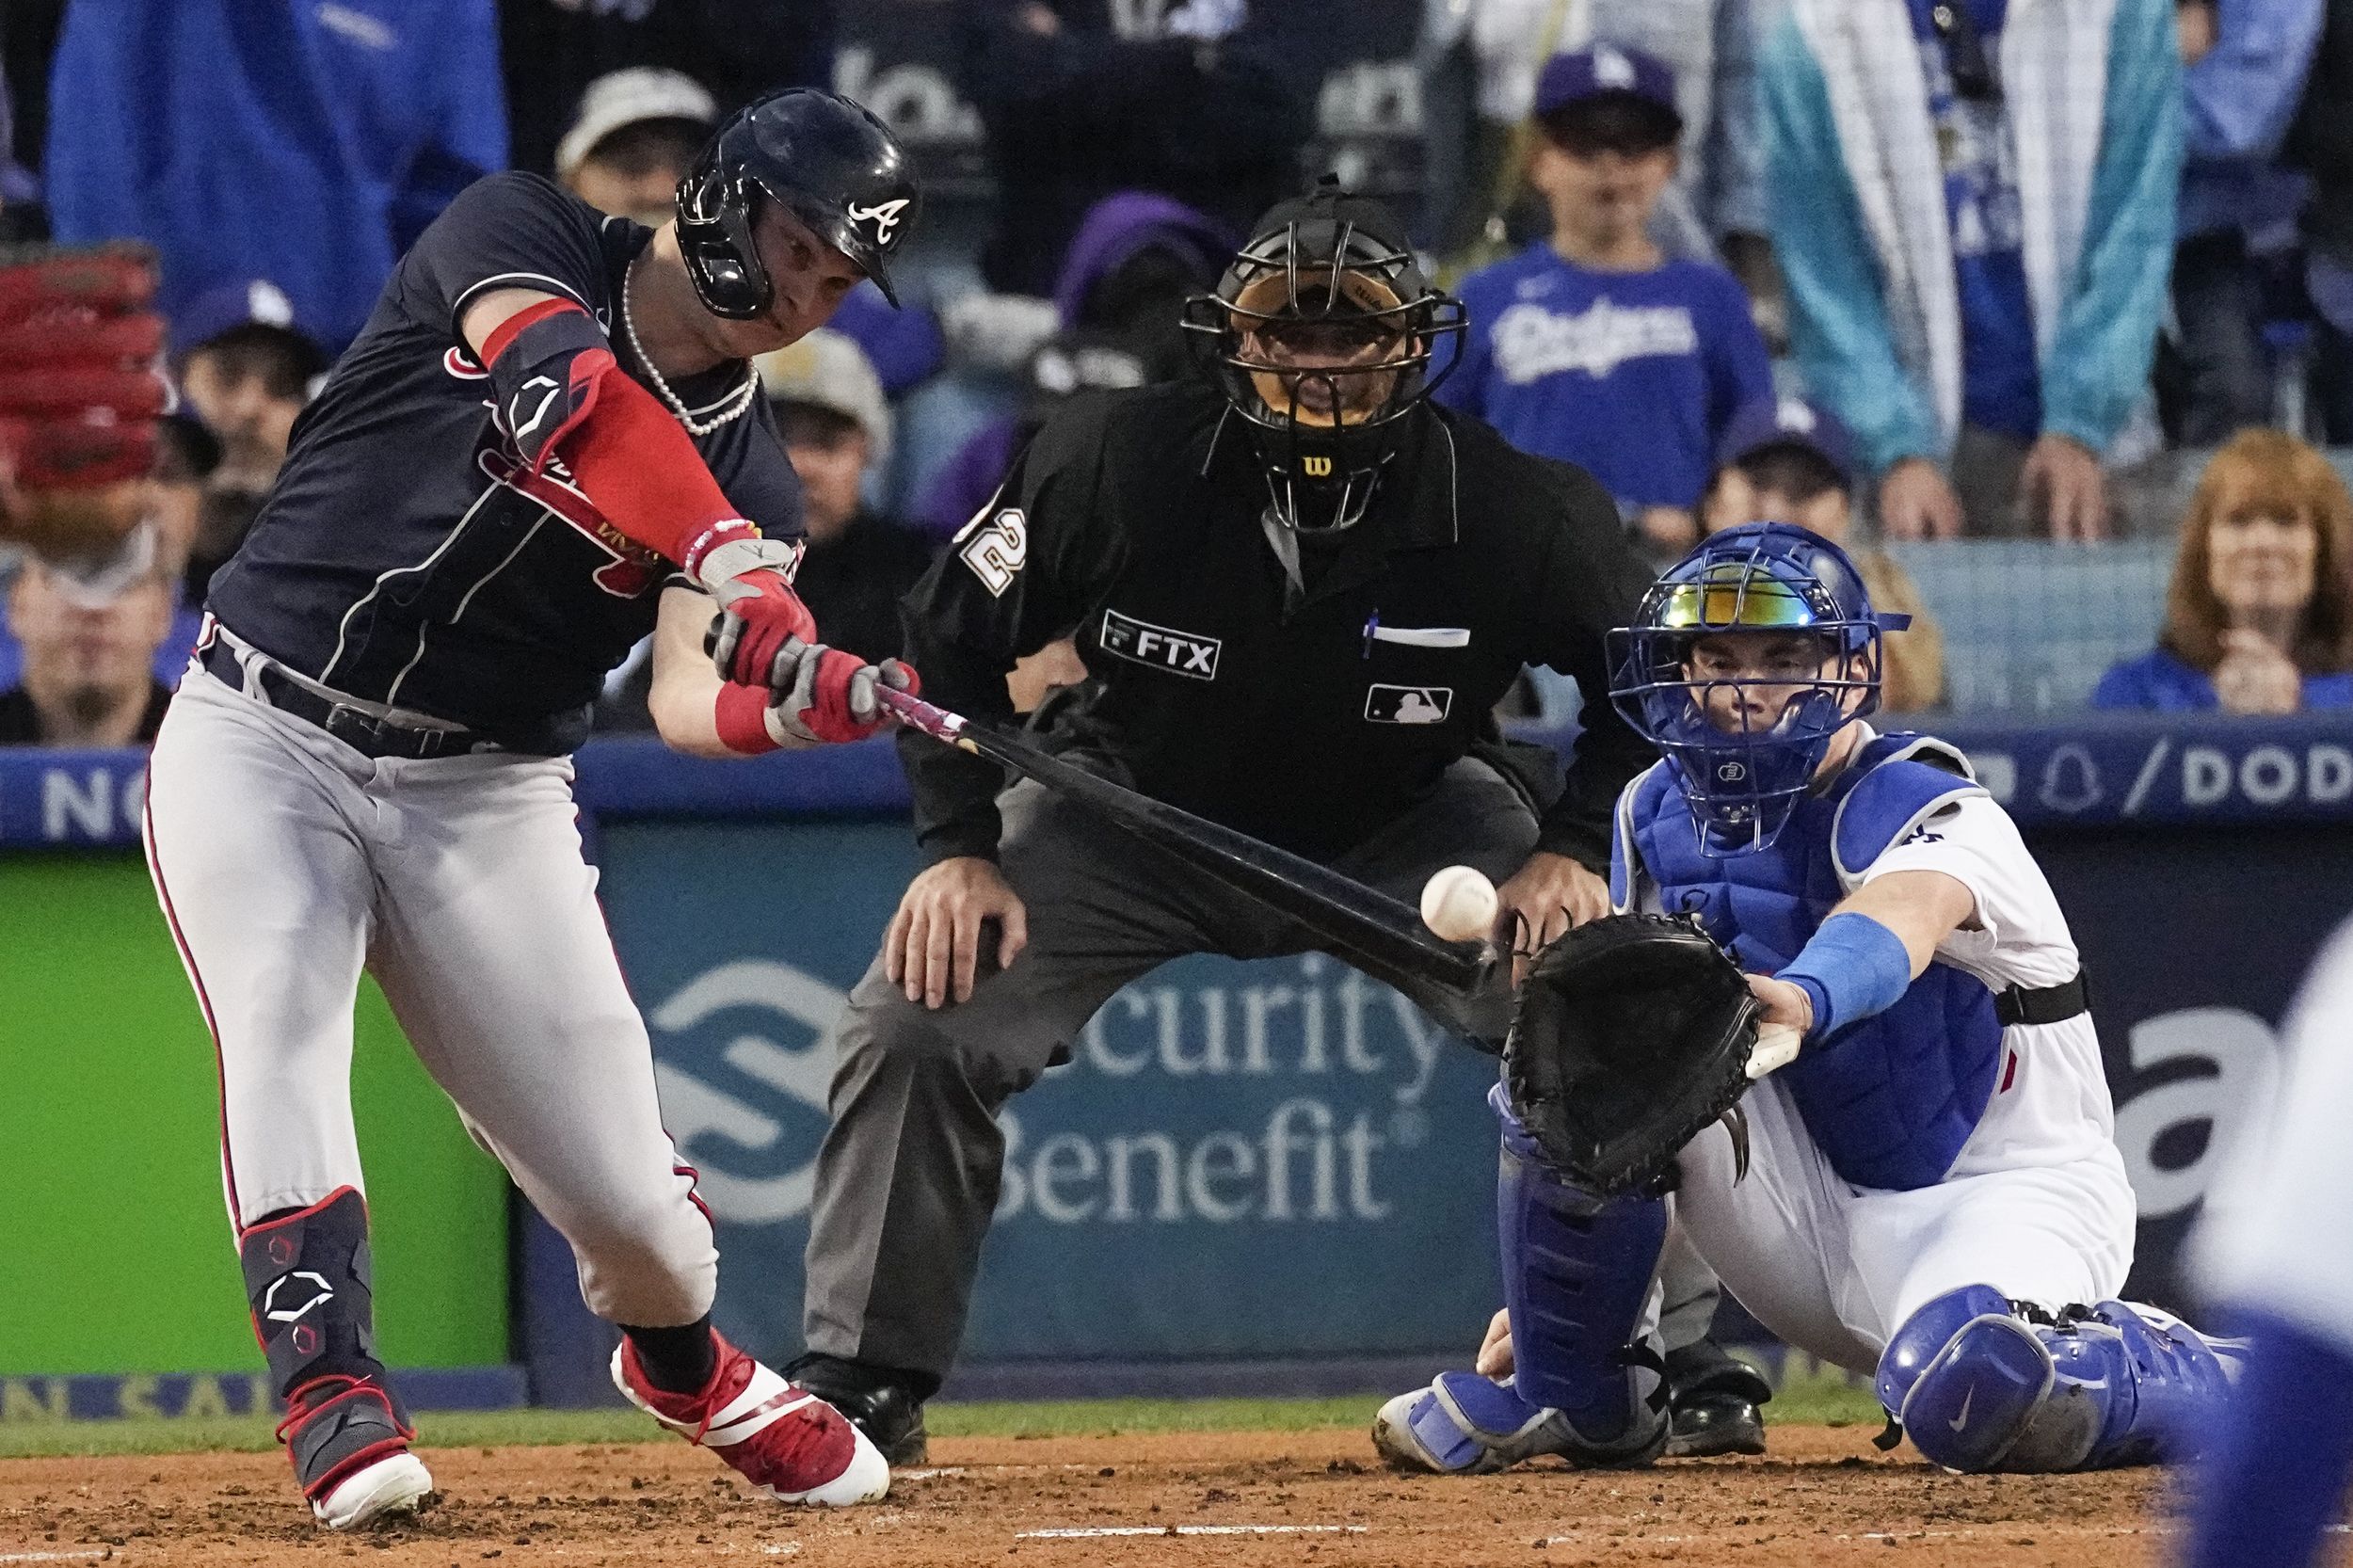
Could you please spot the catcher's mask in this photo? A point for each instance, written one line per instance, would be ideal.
(1743, 747)
(1321, 334)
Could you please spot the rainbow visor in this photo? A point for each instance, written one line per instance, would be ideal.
(1733, 595)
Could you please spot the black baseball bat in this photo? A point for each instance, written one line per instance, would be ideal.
(1368, 928)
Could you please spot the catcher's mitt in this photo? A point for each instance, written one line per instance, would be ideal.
(1631, 1035)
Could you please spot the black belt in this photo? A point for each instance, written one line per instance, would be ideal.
(356, 727)
(2048, 1004)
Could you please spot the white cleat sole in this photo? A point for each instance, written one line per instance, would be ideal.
(392, 1485)
(1393, 1435)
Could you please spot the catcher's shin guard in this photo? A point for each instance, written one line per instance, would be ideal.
(1577, 1271)
(1980, 1384)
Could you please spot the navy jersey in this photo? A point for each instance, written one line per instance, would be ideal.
(406, 555)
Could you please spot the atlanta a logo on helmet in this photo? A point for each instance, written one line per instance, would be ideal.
(884, 216)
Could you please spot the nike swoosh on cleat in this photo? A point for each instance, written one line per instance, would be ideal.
(1962, 1419)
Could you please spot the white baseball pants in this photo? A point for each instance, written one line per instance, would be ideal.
(286, 861)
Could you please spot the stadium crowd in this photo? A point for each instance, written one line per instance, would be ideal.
(1919, 274)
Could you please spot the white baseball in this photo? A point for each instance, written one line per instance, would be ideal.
(1459, 904)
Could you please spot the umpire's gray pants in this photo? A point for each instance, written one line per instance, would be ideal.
(907, 1177)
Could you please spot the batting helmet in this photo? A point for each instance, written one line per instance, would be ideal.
(1743, 763)
(826, 160)
(1321, 335)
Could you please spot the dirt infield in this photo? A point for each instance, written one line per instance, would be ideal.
(1822, 1498)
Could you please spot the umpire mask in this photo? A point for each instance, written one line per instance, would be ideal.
(1320, 334)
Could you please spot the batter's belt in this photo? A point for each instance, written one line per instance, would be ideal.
(368, 728)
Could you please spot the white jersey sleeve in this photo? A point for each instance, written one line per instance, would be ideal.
(2016, 934)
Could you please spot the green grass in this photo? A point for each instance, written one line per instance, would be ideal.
(1806, 1401)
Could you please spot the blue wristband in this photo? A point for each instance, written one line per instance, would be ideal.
(1853, 968)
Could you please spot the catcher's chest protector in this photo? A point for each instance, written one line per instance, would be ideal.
(1891, 1099)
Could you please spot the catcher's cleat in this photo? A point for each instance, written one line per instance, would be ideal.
(1466, 1425)
(786, 1441)
(878, 1404)
(348, 1439)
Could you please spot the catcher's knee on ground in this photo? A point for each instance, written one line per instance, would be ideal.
(1979, 1383)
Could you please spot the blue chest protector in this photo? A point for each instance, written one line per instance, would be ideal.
(1890, 1099)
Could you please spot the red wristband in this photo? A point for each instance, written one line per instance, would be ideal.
(742, 718)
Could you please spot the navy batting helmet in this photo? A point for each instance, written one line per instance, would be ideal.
(826, 160)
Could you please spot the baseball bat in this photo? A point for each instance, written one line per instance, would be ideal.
(1371, 930)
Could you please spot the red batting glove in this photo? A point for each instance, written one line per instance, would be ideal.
(761, 617)
(832, 698)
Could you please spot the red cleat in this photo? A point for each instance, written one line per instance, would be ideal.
(787, 1442)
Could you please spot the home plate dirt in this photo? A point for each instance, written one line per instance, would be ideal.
(1822, 1498)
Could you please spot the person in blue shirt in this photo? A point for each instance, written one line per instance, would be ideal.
(2260, 618)
(307, 144)
(1591, 345)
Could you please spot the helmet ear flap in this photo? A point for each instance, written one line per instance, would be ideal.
(715, 238)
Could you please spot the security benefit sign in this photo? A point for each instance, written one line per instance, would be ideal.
(1277, 1158)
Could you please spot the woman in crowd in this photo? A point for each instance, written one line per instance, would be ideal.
(2260, 618)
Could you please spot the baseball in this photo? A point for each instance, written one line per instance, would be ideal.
(1459, 904)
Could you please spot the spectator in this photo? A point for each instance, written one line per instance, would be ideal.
(1788, 461)
(829, 406)
(1481, 60)
(90, 641)
(2247, 64)
(1119, 300)
(1975, 288)
(634, 138)
(2260, 616)
(309, 143)
(1081, 98)
(2321, 143)
(247, 369)
(1591, 345)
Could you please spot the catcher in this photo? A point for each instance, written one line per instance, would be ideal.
(1929, 1192)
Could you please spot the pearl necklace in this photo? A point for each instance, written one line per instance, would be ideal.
(731, 409)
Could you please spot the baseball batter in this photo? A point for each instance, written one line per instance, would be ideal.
(1930, 1191)
(546, 444)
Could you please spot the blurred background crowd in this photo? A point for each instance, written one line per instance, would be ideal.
(2044, 306)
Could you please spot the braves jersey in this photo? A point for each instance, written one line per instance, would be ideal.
(406, 555)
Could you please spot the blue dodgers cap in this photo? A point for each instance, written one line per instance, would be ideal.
(1766, 423)
(1582, 75)
(225, 307)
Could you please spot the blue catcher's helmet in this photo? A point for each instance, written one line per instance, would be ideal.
(1743, 747)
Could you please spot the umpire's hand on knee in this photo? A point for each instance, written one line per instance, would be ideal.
(1544, 899)
(933, 946)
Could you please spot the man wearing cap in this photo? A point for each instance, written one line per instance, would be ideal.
(829, 407)
(1592, 345)
(247, 368)
(1786, 459)
(635, 136)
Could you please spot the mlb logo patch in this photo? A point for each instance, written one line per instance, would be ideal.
(1408, 704)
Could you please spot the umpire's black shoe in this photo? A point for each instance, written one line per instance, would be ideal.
(1712, 1403)
(877, 1400)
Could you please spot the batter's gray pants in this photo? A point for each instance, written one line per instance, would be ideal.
(907, 1177)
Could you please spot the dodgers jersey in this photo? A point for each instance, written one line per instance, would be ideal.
(405, 556)
(1631, 376)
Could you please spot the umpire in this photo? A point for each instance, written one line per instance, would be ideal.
(1301, 588)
